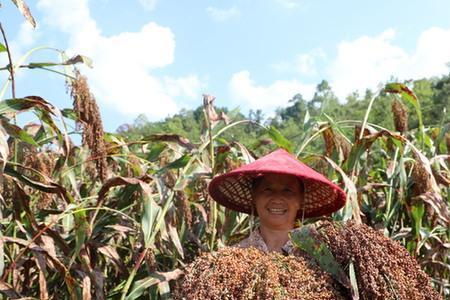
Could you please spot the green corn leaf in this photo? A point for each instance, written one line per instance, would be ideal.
(140, 286)
(18, 133)
(151, 211)
(162, 279)
(72, 61)
(305, 239)
(69, 113)
(353, 281)
(81, 232)
(42, 65)
(179, 163)
(279, 139)
(417, 212)
(24, 104)
(15, 105)
(155, 151)
(2, 48)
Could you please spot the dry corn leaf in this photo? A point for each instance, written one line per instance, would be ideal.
(25, 10)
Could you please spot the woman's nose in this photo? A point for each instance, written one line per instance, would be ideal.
(276, 195)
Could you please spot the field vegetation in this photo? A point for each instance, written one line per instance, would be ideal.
(120, 215)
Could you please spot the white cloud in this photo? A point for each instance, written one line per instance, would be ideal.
(148, 4)
(184, 86)
(362, 63)
(304, 64)
(247, 94)
(221, 15)
(123, 63)
(432, 53)
(291, 3)
(23, 40)
(367, 61)
(27, 35)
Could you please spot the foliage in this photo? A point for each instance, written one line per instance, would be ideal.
(69, 234)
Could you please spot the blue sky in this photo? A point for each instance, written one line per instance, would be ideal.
(158, 56)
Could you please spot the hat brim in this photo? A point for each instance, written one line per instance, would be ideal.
(234, 189)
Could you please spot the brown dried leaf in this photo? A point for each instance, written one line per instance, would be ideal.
(118, 181)
(34, 247)
(4, 149)
(437, 203)
(99, 282)
(8, 290)
(40, 263)
(173, 233)
(441, 178)
(224, 118)
(173, 138)
(202, 211)
(48, 245)
(248, 157)
(112, 254)
(86, 287)
(211, 113)
(352, 193)
(209, 107)
(122, 230)
(53, 238)
(367, 131)
(25, 10)
(79, 59)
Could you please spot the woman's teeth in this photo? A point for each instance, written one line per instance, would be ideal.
(278, 211)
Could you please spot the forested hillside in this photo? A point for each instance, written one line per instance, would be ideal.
(434, 95)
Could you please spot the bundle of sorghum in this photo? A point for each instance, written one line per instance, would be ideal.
(384, 269)
(236, 273)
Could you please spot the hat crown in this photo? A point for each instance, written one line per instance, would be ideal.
(282, 162)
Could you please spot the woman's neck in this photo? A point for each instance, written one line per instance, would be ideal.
(275, 239)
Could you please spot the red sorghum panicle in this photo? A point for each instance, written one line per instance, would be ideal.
(237, 273)
(89, 119)
(334, 141)
(44, 163)
(400, 116)
(183, 204)
(384, 269)
(421, 179)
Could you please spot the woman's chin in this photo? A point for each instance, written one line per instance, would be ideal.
(277, 221)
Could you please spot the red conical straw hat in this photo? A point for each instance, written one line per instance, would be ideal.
(234, 189)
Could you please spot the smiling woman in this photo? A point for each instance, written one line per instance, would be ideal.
(277, 199)
(279, 189)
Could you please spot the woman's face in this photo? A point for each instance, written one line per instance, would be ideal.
(277, 199)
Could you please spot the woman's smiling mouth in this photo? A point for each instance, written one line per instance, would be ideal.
(277, 211)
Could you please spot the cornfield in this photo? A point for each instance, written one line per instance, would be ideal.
(112, 218)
